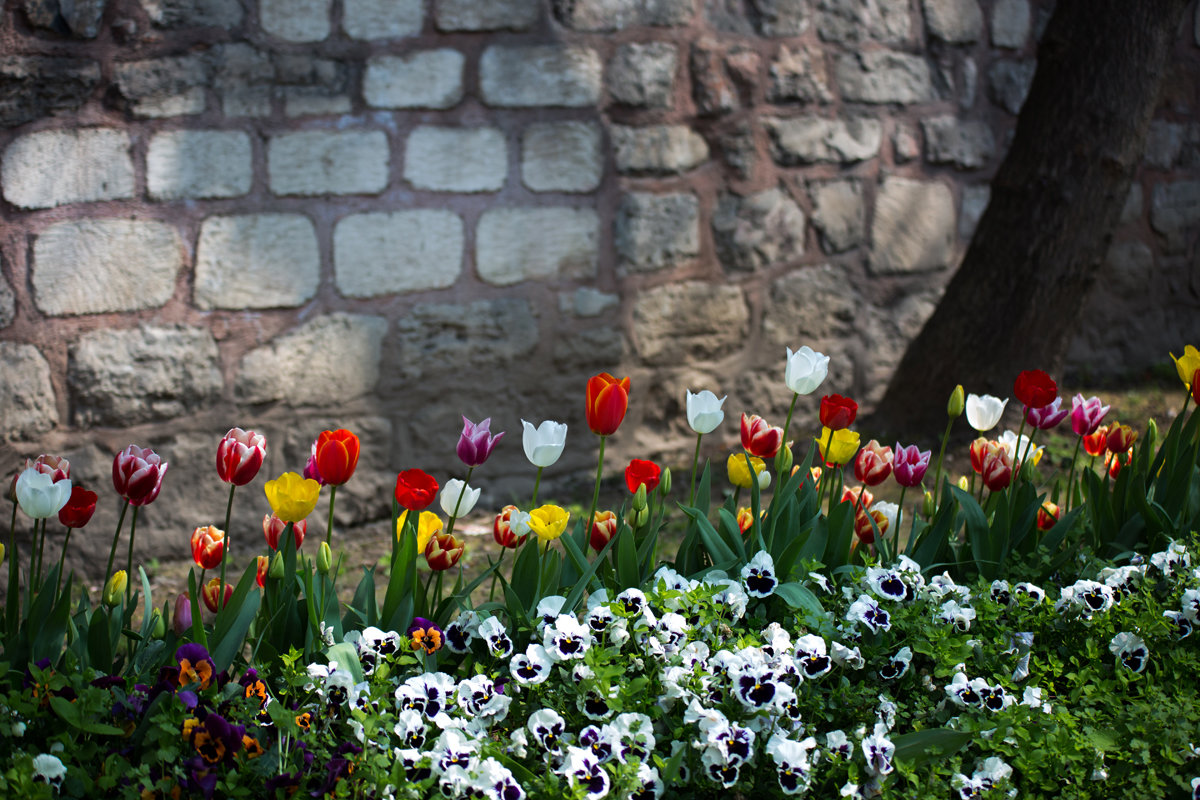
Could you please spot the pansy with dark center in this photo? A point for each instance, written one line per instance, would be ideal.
(725, 774)
(498, 642)
(598, 741)
(533, 666)
(195, 665)
(1182, 625)
(425, 635)
(994, 698)
(887, 583)
(458, 638)
(758, 575)
(1130, 650)
(593, 705)
(756, 688)
(897, 665)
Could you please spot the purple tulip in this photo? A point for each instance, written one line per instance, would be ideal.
(476, 442)
(1086, 415)
(909, 465)
(1046, 417)
(181, 619)
(310, 468)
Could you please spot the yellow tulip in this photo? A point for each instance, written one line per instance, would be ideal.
(428, 523)
(292, 497)
(114, 588)
(548, 522)
(842, 447)
(1187, 365)
(739, 473)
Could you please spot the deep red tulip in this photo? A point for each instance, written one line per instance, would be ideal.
(607, 402)
(79, 509)
(208, 546)
(337, 456)
(1120, 438)
(138, 474)
(838, 412)
(641, 472)
(415, 489)
(240, 455)
(759, 438)
(1047, 516)
(273, 528)
(1035, 389)
(211, 594)
(443, 551)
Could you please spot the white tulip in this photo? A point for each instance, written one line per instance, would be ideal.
(544, 444)
(449, 498)
(704, 412)
(806, 370)
(984, 412)
(40, 496)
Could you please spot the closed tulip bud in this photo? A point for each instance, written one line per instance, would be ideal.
(604, 527)
(1047, 516)
(664, 486)
(443, 551)
(277, 567)
(631, 517)
(1151, 435)
(1, 552)
(641, 517)
(639, 498)
(324, 558)
(927, 506)
(158, 626)
(958, 401)
(963, 483)
(211, 594)
(181, 619)
(114, 589)
(783, 460)
(262, 564)
(1120, 437)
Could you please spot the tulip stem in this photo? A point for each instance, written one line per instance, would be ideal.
(129, 564)
(788, 422)
(329, 527)
(824, 461)
(228, 513)
(537, 482)
(937, 475)
(12, 547)
(62, 557)
(1071, 475)
(496, 571)
(596, 489)
(899, 516)
(116, 538)
(40, 551)
(695, 464)
(457, 503)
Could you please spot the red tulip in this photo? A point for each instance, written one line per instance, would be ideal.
(443, 551)
(838, 412)
(1096, 442)
(1196, 387)
(208, 545)
(997, 468)
(759, 438)
(641, 472)
(502, 531)
(873, 464)
(604, 527)
(1120, 437)
(607, 402)
(273, 528)
(79, 509)
(858, 496)
(1047, 516)
(240, 455)
(415, 489)
(979, 451)
(1115, 462)
(260, 574)
(337, 456)
(211, 594)
(863, 529)
(138, 474)
(1035, 389)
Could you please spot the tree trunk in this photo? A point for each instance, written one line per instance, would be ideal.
(1055, 199)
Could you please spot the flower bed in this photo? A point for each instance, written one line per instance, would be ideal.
(1029, 636)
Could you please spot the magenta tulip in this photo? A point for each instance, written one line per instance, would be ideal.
(1046, 417)
(909, 465)
(1086, 415)
(476, 442)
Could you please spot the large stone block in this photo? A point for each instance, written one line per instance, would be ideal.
(967, 144)
(198, 164)
(256, 261)
(690, 321)
(391, 253)
(540, 75)
(32, 87)
(811, 139)
(643, 74)
(884, 76)
(162, 87)
(611, 15)
(27, 403)
(1009, 82)
(713, 89)
(454, 340)
(658, 149)
(587, 302)
(598, 348)
(817, 306)
(1011, 21)
(780, 17)
(382, 19)
(798, 78)
(954, 21)
(244, 77)
(456, 159)
(296, 20)
(758, 231)
(839, 214)
(324, 162)
(102, 265)
(914, 226)
(145, 374)
(847, 21)
(326, 362)
(654, 231)
(424, 79)
(53, 168)
(1175, 213)
(561, 157)
(8, 302)
(486, 15)
(193, 13)
(518, 244)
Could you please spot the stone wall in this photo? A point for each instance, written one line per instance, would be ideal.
(290, 215)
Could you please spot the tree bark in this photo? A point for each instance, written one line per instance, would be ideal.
(1017, 298)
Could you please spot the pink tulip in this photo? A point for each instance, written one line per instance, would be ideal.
(1086, 415)
(475, 443)
(1046, 417)
(240, 455)
(138, 474)
(909, 464)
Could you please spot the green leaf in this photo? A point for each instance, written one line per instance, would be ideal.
(921, 747)
(800, 597)
(72, 714)
(99, 648)
(347, 659)
(977, 531)
(229, 633)
(362, 607)
(718, 550)
(627, 565)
